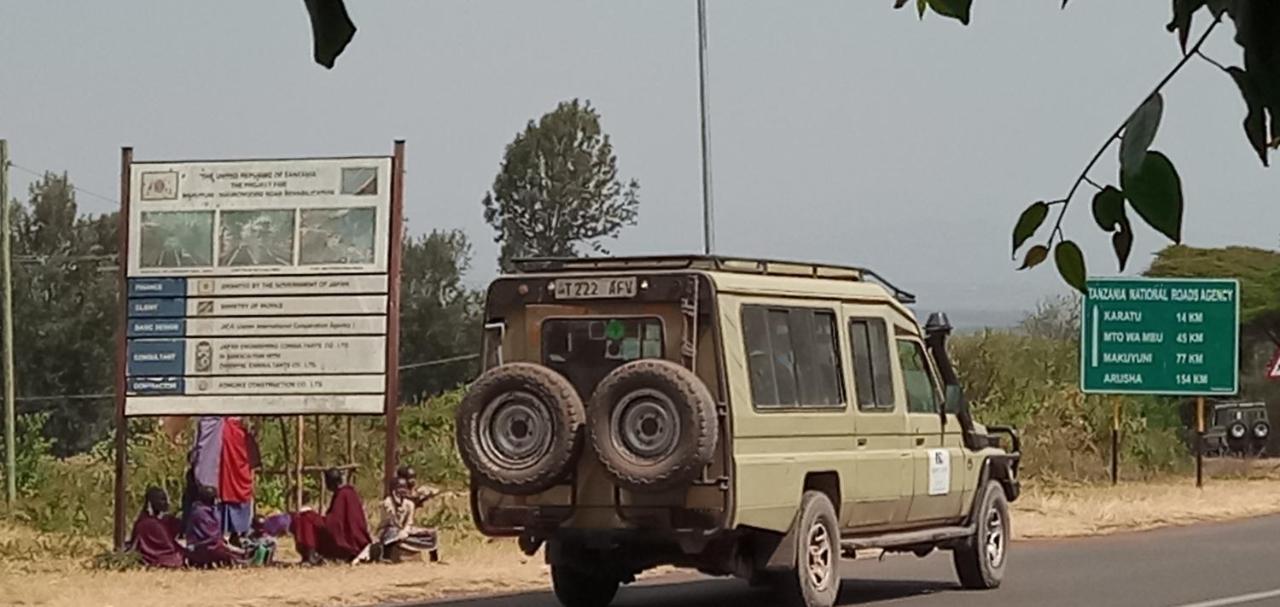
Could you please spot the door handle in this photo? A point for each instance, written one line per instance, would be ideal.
(862, 442)
(919, 441)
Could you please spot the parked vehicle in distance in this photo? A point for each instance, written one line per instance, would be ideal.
(736, 416)
(1240, 429)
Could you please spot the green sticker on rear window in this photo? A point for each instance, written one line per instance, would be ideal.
(615, 330)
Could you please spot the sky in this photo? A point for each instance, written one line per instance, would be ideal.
(841, 130)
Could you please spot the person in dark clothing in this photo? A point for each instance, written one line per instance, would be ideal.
(342, 534)
(155, 533)
(205, 545)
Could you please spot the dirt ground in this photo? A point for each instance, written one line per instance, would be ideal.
(32, 574)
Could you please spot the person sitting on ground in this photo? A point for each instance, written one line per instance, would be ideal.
(205, 544)
(155, 533)
(343, 533)
(259, 546)
(396, 532)
(306, 525)
(420, 494)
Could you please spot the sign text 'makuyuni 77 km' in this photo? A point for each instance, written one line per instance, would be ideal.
(1160, 336)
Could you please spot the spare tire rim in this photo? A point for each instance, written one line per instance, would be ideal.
(515, 430)
(1238, 431)
(646, 425)
(1261, 430)
(995, 538)
(819, 556)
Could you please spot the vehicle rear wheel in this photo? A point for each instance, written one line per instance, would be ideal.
(579, 587)
(519, 428)
(653, 425)
(980, 560)
(815, 581)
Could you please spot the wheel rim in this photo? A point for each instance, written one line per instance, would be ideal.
(1261, 430)
(646, 426)
(995, 538)
(515, 430)
(820, 562)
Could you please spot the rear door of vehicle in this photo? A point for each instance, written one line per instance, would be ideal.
(884, 484)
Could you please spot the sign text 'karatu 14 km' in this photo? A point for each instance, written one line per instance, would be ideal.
(1160, 336)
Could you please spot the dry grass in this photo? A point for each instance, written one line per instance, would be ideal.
(32, 573)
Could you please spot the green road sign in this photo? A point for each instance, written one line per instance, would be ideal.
(1160, 336)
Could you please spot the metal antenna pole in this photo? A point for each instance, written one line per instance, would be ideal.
(6, 254)
(708, 239)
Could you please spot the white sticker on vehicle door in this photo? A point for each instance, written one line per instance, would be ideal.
(939, 472)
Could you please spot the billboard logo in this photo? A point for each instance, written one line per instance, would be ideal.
(160, 185)
(204, 357)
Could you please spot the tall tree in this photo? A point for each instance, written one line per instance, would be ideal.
(558, 191)
(439, 314)
(64, 312)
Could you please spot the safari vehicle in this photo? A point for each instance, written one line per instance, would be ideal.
(1238, 429)
(739, 417)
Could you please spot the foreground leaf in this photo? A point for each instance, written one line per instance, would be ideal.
(1139, 132)
(1156, 194)
(1070, 262)
(956, 9)
(331, 29)
(1028, 223)
(1108, 208)
(1255, 122)
(1183, 10)
(1035, 256)
(1122, 243)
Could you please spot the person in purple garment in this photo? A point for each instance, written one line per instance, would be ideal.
(205, 545)
(155, 533)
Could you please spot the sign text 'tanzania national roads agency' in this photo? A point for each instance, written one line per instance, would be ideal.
(1160, 336)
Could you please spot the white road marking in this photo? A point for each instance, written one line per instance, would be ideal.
(1239, 599)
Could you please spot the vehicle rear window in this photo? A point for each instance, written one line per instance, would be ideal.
(792, 357)
(585, 350)
(872, 375)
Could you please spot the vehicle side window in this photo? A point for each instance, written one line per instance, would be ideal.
(791, 357)
(872, 376)
(922, 392)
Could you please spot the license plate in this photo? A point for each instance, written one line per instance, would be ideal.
(595, 288)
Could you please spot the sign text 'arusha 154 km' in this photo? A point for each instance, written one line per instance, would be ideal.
(258, 287)
(1160, 336)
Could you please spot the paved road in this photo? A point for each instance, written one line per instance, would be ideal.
(1214, 565)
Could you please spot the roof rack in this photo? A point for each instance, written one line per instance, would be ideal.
(718, 263)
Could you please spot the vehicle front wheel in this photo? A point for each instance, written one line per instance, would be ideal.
(815, 582)
(980, 559)
(580, 587)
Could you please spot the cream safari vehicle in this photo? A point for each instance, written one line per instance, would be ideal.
(740, 417)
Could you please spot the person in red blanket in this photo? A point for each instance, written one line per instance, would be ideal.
(155, 533)
(342, 534)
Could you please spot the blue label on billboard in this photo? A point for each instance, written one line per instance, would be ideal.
(156, 385)
(157, 327)
(157, 287)
(157, 357)
(157, 308)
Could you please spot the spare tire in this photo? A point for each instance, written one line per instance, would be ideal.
(653, 425)
(519, 428)
(1237, 431)
(1261, 430)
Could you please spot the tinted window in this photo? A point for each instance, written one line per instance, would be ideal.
(791, 357)
(873, 378)
(922, 393)
(584, 350)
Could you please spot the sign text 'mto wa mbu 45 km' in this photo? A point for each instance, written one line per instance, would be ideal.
(1160, 336)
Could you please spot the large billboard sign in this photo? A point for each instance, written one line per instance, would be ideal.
(1160, 336)
(259, 287)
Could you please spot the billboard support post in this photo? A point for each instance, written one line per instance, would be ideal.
(392, 415)
(122, 424)
(1199, 442)
(1115, 440)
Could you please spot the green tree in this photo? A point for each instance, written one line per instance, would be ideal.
(65, 312)
(558, 189)
(439, 314)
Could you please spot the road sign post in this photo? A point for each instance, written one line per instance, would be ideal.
(1163, 336)
(1115, 441)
